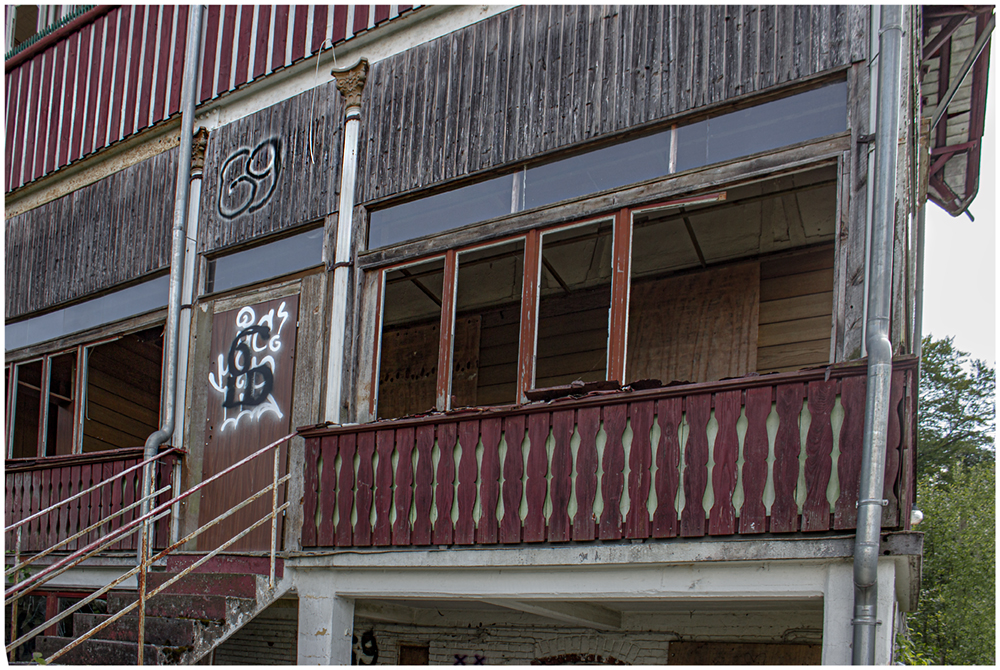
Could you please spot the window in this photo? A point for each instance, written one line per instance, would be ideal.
(796, 118)
(696, 289)
(93, 397)
(264, 261)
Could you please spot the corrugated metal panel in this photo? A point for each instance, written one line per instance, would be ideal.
(121, 73)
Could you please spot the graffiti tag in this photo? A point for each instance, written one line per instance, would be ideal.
(246, 373)
(365, 650)
(248, 178)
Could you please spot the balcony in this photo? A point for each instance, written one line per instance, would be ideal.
(777, 453)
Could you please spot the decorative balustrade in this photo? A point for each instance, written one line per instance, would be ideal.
(778, 453)
(35, 484)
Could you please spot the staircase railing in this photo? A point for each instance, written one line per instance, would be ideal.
(142, 525)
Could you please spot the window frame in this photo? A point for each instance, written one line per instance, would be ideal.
(616, 351)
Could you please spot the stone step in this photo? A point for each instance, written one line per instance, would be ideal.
(257, 565)
(184, 606)
(159, 630)
(197, 583)
(100, 652)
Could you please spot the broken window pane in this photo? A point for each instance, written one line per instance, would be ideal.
(62, 380)
(411, 323)
(574, 299)
(487, 325)
(27, 405)
(122, 402)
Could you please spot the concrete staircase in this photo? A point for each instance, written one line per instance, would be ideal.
(184, 622)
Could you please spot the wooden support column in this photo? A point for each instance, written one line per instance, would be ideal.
(446, 341)
(618, 321)
(529, 314)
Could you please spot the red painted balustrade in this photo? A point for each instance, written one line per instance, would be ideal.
(37, 483)
(778, 453)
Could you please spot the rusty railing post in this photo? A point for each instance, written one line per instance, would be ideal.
(274, 516)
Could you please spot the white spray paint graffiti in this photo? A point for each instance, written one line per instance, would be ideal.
(245, 377)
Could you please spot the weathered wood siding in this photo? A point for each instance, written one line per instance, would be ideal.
(540, 78)
(304, 137)
(94, 239)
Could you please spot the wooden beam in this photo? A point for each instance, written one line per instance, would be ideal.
(620, 280)
(575, 613)
(529, 313)
(388, 613)
(447, 331)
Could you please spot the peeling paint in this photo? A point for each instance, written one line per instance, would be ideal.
(321, 632)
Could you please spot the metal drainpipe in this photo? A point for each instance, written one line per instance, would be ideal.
(192, 57)
(878, 344)
(350, 82)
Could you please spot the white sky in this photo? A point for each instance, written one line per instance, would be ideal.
(960, 287)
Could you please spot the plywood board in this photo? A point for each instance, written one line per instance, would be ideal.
(696, 327)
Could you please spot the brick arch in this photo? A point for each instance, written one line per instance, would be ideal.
(585, 650)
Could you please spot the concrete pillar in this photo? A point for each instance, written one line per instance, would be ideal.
(838, 608)
(326, 622)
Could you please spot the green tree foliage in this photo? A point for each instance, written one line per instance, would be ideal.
(956, 479)
(957, 411)
(956, 622)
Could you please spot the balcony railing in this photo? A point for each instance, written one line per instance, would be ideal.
(779, 453)
(34, 484)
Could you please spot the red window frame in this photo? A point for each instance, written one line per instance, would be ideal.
(617, 348)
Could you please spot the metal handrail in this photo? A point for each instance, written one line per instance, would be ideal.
(142, 524)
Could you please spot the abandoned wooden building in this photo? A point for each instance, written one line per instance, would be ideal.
(471, 335)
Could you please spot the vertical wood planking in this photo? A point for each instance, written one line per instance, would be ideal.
(311, 490)
(725, 453)
(346, 446)
(613, 466)
(697, 411)
(403, 491)
(819, 449)
(588, 423)
(465, 528)
(562, 472)
(787, 447)
(640, 461)
(668, 453)
(890, 513)
(445, 492)
(753, 514)
(852, 398)
(364, 492)
(537, 484)
(513, 471)
(327, 501)
(423, 498)
(385, 441)
(489, 486)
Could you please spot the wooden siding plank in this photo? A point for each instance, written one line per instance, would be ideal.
(167, 47)
(363, 493)
(725, 453)
(668, 417)
(753, 514)
(403, 491)
(328, 493)
(561, 486)
(513, 472)
(489, 488)
(299, 36)
(131, 84)
(180, 46)
(385, 441)
(697, 412)
(852, 399)
(639, 463)
(345, 490)
(423, 494)
(445, 491)
(260, 53)
(819, 448)
(787, 447)
(319, 27)
(613, 467)
(536, 486)
(279, 37)
(893, 435)
(38, 157)
(465, 528)
(148, 82)
(311, 508)
(588, 425)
